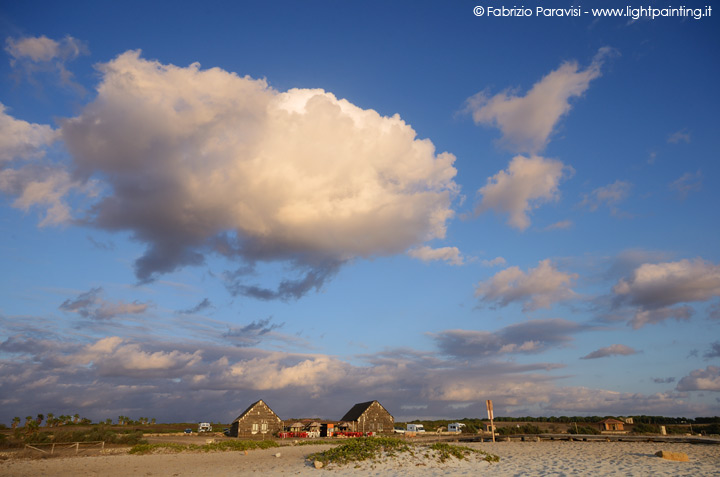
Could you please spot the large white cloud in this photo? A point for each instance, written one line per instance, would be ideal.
(527, 183)
(528, 121)
(539, 287)
(199, 160)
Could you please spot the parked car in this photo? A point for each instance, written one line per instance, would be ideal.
(226, 431)
(188, 431)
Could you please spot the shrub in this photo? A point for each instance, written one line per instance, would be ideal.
(643, 428)
(359, 449)
(524, 429)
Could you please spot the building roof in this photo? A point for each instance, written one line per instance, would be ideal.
(251, 407)
(611, 420)
(358, 410)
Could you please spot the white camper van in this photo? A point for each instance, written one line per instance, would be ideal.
(204, 427)
(415, 428)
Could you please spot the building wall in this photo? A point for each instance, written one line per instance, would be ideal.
(375, 419)
(257, 422)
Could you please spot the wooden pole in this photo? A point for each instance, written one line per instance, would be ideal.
(489, 405)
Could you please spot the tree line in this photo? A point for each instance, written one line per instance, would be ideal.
(65, 419)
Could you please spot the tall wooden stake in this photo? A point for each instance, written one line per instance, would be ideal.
(490, 416)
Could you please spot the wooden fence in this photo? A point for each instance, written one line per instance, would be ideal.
(64, 445)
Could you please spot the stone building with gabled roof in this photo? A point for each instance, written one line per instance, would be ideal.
(369, 416)
(612, 426)
(258, 420)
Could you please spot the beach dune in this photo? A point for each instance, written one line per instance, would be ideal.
(556, 458)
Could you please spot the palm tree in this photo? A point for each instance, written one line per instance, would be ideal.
(40, 418)
(16, 422)
(50, 419)
(76, 418)
(28, 419)
(152, 421)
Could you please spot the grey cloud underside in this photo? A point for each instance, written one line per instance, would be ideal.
(531, 337)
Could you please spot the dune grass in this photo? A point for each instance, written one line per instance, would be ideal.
(171, 447)
(372, 448)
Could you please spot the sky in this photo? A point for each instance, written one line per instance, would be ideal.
(319, 203)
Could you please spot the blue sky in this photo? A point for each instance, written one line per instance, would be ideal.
(323, 203)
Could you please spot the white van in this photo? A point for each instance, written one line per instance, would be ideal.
(415, 428)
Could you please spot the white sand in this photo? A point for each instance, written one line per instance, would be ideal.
(558, 458)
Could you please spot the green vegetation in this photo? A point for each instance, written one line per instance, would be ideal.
(153, 448)
(366, 448)
(524, 429)
(359, 449)
(583, 430)
(92, 434)
(214, 447)
(312, 443)
(643, 428)
(445, 451)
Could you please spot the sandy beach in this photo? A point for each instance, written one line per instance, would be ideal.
(558, 458)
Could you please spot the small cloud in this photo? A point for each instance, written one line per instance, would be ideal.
(203, 305)
(527, 183)
(450, 255)
(101, 245)
(251, 334)
(539, 287)
(679, 136)
(707, 379)
(714, 312)
(531, 337)
(610, 196)
(33, 55)
(562, 225)
(663, 380)
(497, 261)
(92, 305)
(613, 350)
(528, 121)
(714, 351)
(655, 316)
(687, 183)
(656, 289)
